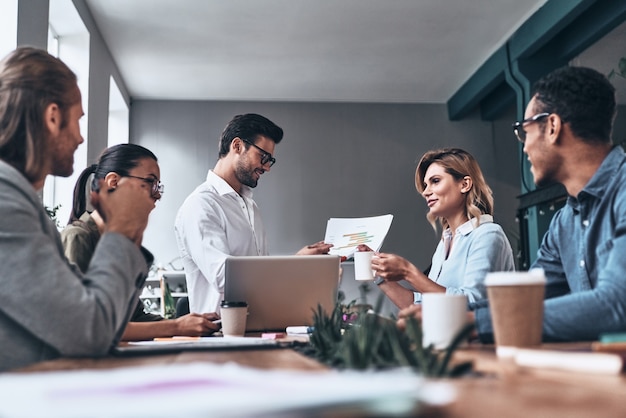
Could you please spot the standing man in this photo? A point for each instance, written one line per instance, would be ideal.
(48, 308)
(220, 219)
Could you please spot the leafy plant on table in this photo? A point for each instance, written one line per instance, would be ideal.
(375, 342)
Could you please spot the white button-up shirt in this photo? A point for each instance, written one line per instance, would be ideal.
(213, 223)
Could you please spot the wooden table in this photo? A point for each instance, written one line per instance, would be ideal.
(496, 389)
(505, 390)
(285, 359)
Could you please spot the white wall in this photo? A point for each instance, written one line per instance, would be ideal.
(336, 160)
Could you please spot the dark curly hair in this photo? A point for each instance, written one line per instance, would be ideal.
(582, 97)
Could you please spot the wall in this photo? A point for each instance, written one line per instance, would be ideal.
(336, 160)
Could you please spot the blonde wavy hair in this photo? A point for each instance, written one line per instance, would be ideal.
(459, 164)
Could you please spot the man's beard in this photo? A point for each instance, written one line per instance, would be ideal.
(63, 167)
(246, 176)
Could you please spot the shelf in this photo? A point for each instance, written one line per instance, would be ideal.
(176, 281)
(150, 296)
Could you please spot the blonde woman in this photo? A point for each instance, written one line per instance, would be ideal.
(471, 244)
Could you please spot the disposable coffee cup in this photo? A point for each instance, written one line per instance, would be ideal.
(363, 265)
(516, 303)
(443, 317)
(234, 315)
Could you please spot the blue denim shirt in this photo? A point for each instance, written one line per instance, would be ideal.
(583, 255)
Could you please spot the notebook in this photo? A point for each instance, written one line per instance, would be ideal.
(282, 291)
(180, 344)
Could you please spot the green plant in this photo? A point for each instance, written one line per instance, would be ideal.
(375, 342)
(169, 305)
(52, 214)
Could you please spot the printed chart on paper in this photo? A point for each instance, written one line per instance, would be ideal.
(347, 233)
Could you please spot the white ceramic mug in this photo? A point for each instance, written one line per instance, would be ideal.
(443, 317)
(363, 265)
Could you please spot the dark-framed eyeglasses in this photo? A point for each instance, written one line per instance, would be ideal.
(518, 127)
(266, 157)
(156, 187)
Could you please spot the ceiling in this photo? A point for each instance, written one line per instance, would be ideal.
(386, 51)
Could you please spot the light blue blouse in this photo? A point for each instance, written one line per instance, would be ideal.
(476, 251)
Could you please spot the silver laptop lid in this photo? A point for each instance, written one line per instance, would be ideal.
(282, 291)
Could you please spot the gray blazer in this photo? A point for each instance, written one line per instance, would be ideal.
(48, 308)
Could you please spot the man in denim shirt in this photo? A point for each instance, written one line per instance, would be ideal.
(566, 133)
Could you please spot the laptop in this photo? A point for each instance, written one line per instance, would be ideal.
(282, 291)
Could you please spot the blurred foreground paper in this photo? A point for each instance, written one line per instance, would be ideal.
(347, 233)
(221, 390)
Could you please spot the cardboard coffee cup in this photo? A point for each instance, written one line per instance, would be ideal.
(516, 303)
(234, 315)
(363, 265)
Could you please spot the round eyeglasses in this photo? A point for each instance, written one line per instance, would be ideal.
(156, 187)
(518, 127)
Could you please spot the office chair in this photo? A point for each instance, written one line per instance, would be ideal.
(182, 306)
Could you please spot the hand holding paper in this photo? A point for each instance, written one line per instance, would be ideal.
(346, 234)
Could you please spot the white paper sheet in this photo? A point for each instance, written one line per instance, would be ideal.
(347, 233)
(221, 390)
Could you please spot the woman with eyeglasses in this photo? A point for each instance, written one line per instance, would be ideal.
(117, 164)
(471, 244)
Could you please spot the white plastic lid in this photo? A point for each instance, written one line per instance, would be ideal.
(515, 278)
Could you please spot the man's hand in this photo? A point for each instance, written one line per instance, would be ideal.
(413, 310)
(318, 248)
(125, 207)
(196, 325)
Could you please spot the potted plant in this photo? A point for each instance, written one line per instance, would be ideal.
(370, 341)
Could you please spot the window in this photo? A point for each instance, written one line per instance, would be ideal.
(69, 40)
(8, 26)
(118, 116)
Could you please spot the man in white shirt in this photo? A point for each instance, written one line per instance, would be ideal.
(220, 218)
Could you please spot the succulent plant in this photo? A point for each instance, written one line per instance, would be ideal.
(375, 342)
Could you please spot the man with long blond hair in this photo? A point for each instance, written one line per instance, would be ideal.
(48, 308)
